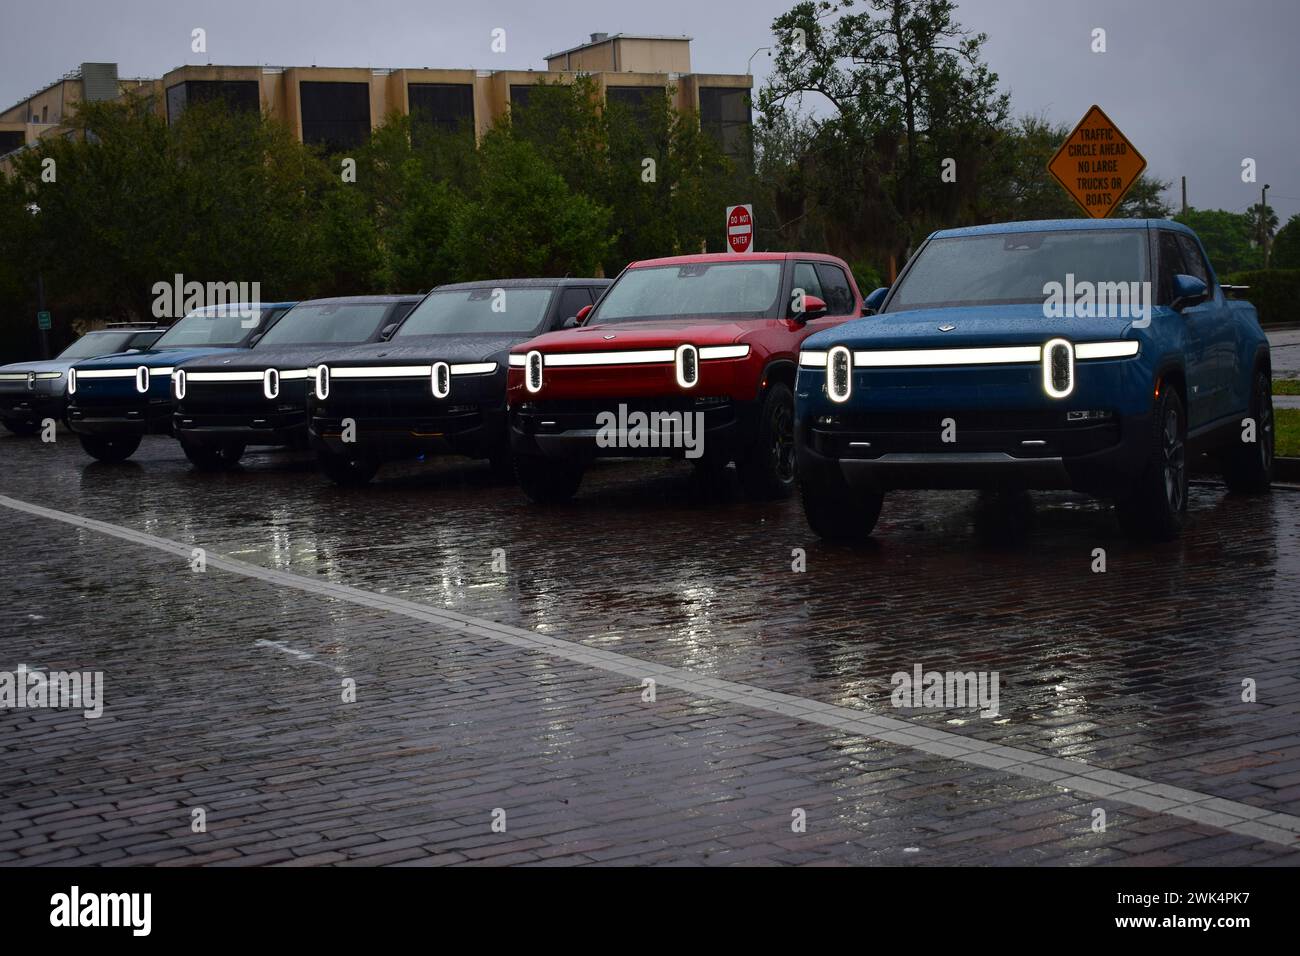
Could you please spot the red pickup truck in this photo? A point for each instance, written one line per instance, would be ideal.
(688, 357)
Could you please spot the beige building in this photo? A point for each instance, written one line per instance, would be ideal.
(44, 111)
(337, 107)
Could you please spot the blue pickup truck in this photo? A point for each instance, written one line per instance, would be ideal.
(113, 402)
(1098, 356)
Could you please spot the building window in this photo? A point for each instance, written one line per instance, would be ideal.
(11, 139)
(638, 100)
(519, 94)
(724, 114)
(447, 107)
(335, 115)
(45, 114)
(236, 94)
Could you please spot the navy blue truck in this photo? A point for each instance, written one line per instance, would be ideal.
(1098, 356)
(114, 401)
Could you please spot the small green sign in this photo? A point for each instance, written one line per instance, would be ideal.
(43, 321)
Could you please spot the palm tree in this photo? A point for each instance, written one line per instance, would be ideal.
(1263, 223)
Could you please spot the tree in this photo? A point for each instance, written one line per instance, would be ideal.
(665, 181)
(219, 196)
(911, 98)
(1226, 237)
(1285, 253)
(1263, 223)
(522, 219)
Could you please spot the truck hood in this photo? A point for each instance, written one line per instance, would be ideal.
(50, 365)
(272, 356)
(424, 349)
(153, 358)
(972, 326)
(611, 336)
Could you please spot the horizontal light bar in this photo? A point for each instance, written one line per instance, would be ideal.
(223, 376)
(408, 371)
(285, 375)
(723, 351)
(1099, 350)
(107, 373)
(638, 357)
(518, 361)
(382, 371)
(161, 371)
(998, 355)
(49, 375)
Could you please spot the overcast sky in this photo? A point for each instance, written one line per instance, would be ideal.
(1197, 85)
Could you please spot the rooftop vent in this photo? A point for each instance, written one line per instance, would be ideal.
(598, 37)
(99, 81)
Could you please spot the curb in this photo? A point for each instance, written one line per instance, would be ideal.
(1286, 469)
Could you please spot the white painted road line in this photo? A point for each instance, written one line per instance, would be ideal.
(1075, 775)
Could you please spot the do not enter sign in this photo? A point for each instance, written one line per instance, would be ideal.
(740, 228)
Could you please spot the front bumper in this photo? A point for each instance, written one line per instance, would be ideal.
(120, 418)
(569, 429)
(280, 429)
(476, 431)
(1011, 450)
(30, 408)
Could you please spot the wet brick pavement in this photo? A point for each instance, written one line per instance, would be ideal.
(223, 691)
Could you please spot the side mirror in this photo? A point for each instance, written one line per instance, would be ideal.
(814, 307)
(580, 317)
(1187, 292)
(388, 331)
(872, 303)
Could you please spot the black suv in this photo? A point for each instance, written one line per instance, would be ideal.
(259, 397)
(439, 385)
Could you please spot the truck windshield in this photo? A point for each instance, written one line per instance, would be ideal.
(99, 343)
(227, 325)
(697, 290)
(1013, 268)
(477, 310)
(327, 323)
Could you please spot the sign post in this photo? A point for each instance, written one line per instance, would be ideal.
(1097, 164)
(43, 321)
(740, 228)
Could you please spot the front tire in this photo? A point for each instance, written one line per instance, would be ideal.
(767, 470)
(347, 471)
(835, 511)
(213, 457)
(1248, 466)
(1157, 509)
(548, 481)
(110, 450)
(22, 428)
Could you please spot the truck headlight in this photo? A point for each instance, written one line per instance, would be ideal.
(839, 373)
(1058, 368)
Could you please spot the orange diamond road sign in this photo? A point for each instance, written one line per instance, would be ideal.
(1097, 164)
